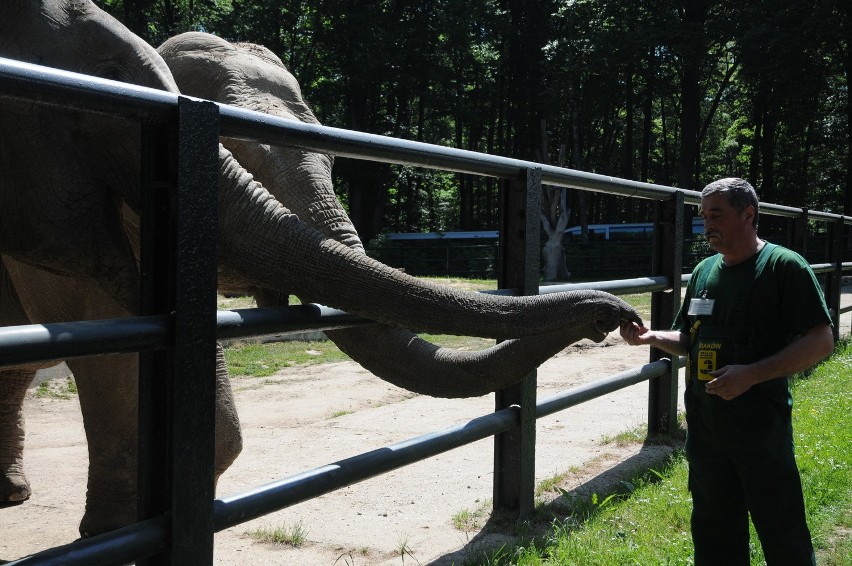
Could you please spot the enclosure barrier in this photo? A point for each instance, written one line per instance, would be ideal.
(178, 328)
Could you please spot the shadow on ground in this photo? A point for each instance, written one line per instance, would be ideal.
(502, 532)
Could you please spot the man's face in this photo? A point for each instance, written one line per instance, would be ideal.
(724, 228)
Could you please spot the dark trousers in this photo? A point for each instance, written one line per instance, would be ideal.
(741, 462)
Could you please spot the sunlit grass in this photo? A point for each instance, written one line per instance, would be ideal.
(293, 535)
(650, 525)
(57, 389)
(264, 359)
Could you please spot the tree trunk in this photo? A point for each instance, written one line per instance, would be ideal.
(692, 53)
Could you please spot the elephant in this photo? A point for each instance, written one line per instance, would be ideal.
(69, 222)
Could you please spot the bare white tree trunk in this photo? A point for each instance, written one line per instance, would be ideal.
(555, 268)
(554, 220)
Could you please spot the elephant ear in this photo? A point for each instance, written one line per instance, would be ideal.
(77, 36)
(252, 77)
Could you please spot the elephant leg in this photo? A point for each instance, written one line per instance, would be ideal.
(13, 387)
(229, 440)
(107, 388)
(108, 392)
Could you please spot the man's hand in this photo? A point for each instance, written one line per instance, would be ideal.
(672, 341)
(730, 382)
(810, 348)
(634, 334)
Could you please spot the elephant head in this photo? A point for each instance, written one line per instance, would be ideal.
(69, 198)
(252, 77)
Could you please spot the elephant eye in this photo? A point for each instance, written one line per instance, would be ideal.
(109, 70)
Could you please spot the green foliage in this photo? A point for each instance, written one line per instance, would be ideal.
(263, 360)
(605, 79)
(56, 389)
(294, 535)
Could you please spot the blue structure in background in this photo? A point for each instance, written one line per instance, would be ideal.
(607, 230)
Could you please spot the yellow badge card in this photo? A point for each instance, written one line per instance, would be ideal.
(706, 363)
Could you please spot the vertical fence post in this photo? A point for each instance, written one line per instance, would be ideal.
(667, 261)
(514, 450)
(159, 178)
(177, 466)
(835, 248)
(799, 233)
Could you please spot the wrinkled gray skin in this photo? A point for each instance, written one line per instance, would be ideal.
(69, 202)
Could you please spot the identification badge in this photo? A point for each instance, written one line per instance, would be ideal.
(701, 307)
(707, 362)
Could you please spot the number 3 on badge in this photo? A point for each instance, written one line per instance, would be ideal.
(706, 364)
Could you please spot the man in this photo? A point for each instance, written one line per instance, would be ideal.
(753, 314)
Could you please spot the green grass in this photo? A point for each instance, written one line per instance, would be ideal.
(56, 389)
(647, 521)
(263, 360)
(295, 535)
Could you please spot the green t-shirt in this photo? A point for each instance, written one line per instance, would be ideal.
(763, 302)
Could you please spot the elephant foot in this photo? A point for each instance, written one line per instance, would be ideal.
(14, 486)
(96, 522)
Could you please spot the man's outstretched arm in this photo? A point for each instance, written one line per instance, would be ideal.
(672, 341)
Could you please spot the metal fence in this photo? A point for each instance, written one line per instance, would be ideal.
(177, 328)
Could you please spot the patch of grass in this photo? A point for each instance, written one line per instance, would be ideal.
(348, 559)
(263, 360)
(470, 343)
(641, 302)
(648, 521)
(550, 485)
(404, 550)
(244, 302)
(626, 438)
(340, 414)
(295, 535)
(463, 283)
(56, 389)
(472, 520)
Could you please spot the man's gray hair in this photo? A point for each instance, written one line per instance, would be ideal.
(740, 194)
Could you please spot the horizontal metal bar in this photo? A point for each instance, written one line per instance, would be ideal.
(301, 487)
(74, 91)
(239, 323)
(121, 546)
(66, 340)
(601, 387)
(59, 341)
(826, 267)
(85, 93)
(615, 286)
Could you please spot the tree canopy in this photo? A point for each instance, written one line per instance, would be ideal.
(671, 92)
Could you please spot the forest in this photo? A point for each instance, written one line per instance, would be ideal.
(676, 92)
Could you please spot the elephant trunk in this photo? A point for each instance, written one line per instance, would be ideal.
(400, 357)
(275, 250)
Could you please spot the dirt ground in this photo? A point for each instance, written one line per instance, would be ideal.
(302, 418)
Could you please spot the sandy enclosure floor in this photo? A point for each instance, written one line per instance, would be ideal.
(289, 425)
